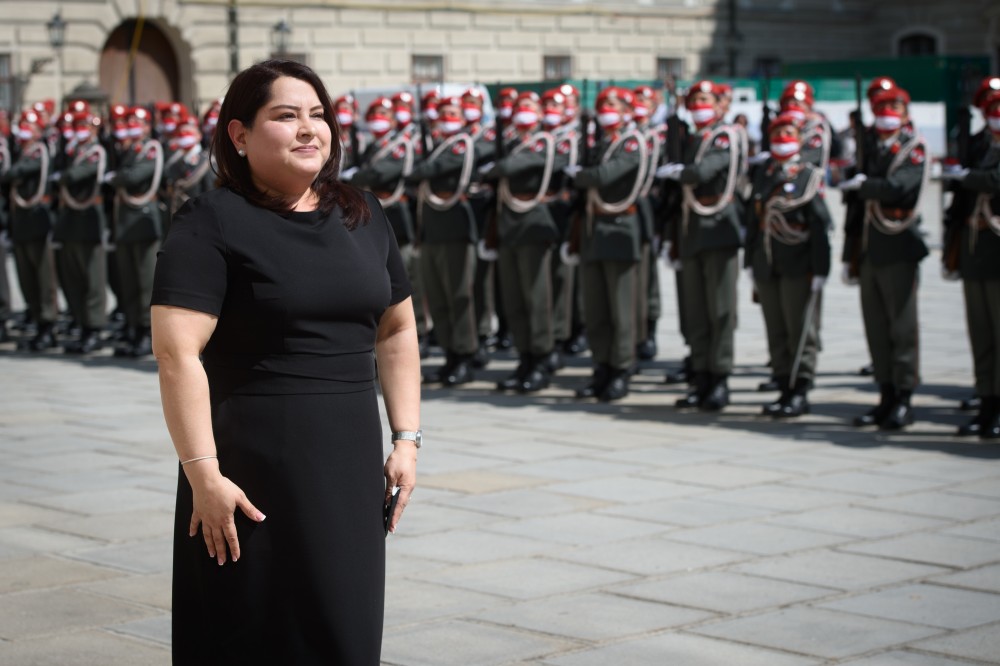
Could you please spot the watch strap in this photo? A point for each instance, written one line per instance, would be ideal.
(410, 435)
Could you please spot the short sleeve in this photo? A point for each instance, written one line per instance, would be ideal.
(398, 279)
(191, 265)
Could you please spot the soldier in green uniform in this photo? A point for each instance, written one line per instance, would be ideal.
(610, 247)
(30, 224)
(888, 255)
(448, 234)
(709, 240)
(389, 159)
(80, 230)
(527, 234)
(973, 233)
(648, 311)
(187, 172)
(350, 139)
(138, 227)
(788, 257)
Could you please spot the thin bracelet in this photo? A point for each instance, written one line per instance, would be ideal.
(185, 462)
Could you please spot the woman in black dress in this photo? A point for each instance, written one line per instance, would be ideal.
(271, 294)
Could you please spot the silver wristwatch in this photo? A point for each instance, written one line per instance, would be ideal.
(415, 436)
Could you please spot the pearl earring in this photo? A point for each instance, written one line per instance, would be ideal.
(241, 152)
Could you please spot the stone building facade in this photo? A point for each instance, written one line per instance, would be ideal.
(185, 48)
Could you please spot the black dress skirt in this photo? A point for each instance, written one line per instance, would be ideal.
(295, 417)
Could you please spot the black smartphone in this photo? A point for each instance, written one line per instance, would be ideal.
(390, 508)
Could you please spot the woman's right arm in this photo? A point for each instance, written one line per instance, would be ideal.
(179, 336)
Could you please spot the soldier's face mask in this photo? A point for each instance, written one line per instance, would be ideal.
(993, 119)
(784, 147)
(450, 123)
(403, 116)
(345, 118)
(888, 120)
(431, 112)
(552, 118)
(82, 135)
(24, 134)
(68, 133)
(472, 112)
(185, 141)
(608, 117)
(506, 110)
(120, 131)
(169, 125)
(702, 113)
(525, 117)
(379, 126)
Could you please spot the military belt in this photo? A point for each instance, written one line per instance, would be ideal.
(897, 213)
(631, 210)
(382, 194)
(709, 200)
(449, 195)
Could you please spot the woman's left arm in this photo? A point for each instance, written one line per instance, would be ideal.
(398, 357)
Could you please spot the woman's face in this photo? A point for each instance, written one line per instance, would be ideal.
(290, 139)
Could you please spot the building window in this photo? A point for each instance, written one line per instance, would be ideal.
(918, 44)
(6, 84)
(669, 69)
(766, 67)
(557, 67)
(427, 68)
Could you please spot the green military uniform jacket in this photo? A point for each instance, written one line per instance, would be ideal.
(647, 213)
(899, 191)
(383, 177)
(612, 237)
(524, 171)
(709, 177)
(28, 225)
(87, 225)
(135, 173)
(457, 224)
(186, 176)
(809, 258)
(981, 261)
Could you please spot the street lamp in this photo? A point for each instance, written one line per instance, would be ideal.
(280, 34)
(57, 38)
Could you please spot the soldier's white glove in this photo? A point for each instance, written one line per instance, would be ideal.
(485, 253)
(749, 271)
(55, 176)
(671, 170)
(846, 277)
(665, 247)
(853, 183)
(486, 167)
(109, 176)
(572, 170)
(347, 174)
(818, 282)
(759, 158)
(954, 173)
(950, 276)
(566, 257)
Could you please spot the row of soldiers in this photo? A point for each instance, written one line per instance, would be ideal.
(571, 209)
(90, 200)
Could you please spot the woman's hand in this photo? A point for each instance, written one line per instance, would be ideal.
(400, 470)
(216, 499)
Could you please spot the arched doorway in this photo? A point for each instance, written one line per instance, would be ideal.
(138, 65)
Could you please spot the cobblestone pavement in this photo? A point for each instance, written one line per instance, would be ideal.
(550, 531)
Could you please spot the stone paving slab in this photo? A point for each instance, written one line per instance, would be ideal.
(458, 643)
(982, 643)
(86, 647)
(924, 604)
(53, 611)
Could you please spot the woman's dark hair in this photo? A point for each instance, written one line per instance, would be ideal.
(247, 94)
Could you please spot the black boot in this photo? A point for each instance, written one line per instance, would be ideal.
(513, 381)
(878, 414)
(696, 391)
(124, 347)
(461, 372)
(44, 339)
(437, 375)
(867, 370)
(617, 387)
(577, 343)
(797, 402)
(4, 333)
(772, 409)
(595, 386)
(538, 375)
(481, 357)
(143, 343)
(718, 395)
(681, 376)
(971, 404)
(554, 360)
(773, 384)
(991, 427)
(646, 349)
(974, 427)
(901, 413)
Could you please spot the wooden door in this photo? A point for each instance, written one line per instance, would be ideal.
(152, 74)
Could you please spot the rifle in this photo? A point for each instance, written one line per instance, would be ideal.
(589, 127)
(765, 117)
(855, 210)
(423, 131)
(355, 139)
(963, 201)
(491, 235)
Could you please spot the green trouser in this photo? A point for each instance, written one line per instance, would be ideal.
(526, 288)
(563, 277)
(4, 284)
(681, 318)
(411, 261)
(889, 307)
(449, 271)
(784, 301)
(982, 312)
(709, 302)
(610, 290)
(36, 275)
(649, 293)
(84, 278)
(483, 297)
(136, 262)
